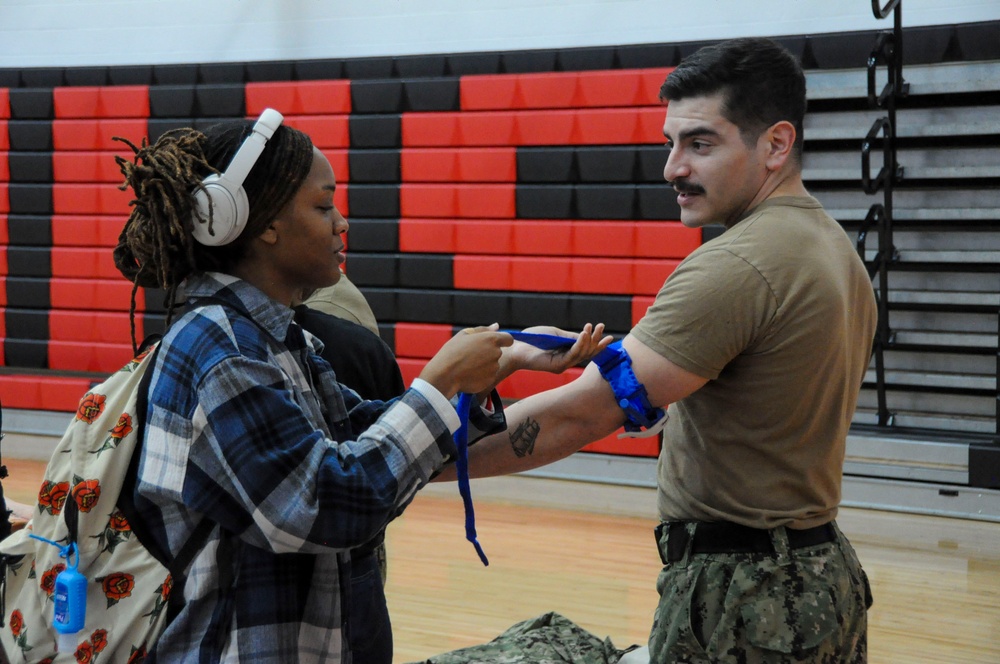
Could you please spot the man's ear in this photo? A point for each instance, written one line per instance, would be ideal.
(780, 142)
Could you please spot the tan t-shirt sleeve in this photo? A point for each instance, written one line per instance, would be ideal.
(711, 309)
(344, 300)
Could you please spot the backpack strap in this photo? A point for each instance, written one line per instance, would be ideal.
(4, 532)
(5, 528)
(176, 565)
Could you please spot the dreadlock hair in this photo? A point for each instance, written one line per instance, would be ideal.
(156, 248)
(761, 81)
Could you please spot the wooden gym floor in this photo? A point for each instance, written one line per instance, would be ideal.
(586, 551)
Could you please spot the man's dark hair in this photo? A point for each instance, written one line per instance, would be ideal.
(761, 81)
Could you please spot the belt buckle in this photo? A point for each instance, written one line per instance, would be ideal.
(677, 541)
(658, 533)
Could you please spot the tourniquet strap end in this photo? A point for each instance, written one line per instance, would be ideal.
(465, 403)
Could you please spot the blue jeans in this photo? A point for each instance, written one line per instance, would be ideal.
(369, 631)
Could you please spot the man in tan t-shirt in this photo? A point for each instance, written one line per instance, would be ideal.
(759, 342)
(344, 300)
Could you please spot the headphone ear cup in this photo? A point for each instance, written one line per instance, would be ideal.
(230, 210)
(224, 195)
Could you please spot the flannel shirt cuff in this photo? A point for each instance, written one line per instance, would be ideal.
(443, 407)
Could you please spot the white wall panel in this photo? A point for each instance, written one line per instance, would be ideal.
(45, 33)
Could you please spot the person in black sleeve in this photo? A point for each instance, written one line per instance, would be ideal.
(363, 362)
(359, 357)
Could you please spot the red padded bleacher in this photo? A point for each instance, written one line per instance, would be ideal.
(93, 294)
(422, 341)
(34, 392)
(341, 164)
(90, 230)
(645, 447)
(326, 131)
(561, 274)
(299, 97)
(108, 327)
(83, 262)
(87, 166)
(639, 306)
(618, 87)
(541, 237)
(601, 126)
(123, 101)
(101, 198)
(98, 134)
(472, 201)
(340, 199)
(93, 357)
(459, 164)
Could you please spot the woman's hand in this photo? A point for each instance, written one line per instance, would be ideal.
(521, 355)
(468, 362)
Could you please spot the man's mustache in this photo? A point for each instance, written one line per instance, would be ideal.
(682, 186)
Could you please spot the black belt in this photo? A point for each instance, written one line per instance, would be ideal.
(725, 537)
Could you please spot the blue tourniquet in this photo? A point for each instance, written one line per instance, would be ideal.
(616, 368)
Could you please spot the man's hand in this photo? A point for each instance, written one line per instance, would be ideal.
(521, 355)
(20, 514)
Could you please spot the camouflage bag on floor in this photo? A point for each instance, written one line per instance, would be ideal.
(548, 639)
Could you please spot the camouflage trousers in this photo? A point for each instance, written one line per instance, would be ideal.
(547, 639)
(795, 605)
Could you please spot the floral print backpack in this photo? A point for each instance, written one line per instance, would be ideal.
(82, 500)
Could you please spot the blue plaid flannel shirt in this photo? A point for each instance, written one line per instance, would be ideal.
(248, 427)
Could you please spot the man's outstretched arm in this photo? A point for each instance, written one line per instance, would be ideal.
(552, 425)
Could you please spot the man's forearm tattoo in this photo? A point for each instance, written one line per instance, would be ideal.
(522, 439)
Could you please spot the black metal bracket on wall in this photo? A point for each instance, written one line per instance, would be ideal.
(888, 50)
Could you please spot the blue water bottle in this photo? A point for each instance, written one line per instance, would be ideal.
(70, 597)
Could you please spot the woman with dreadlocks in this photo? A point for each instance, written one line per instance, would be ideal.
(247, 427)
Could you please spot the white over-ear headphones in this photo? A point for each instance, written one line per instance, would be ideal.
(224, 193)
